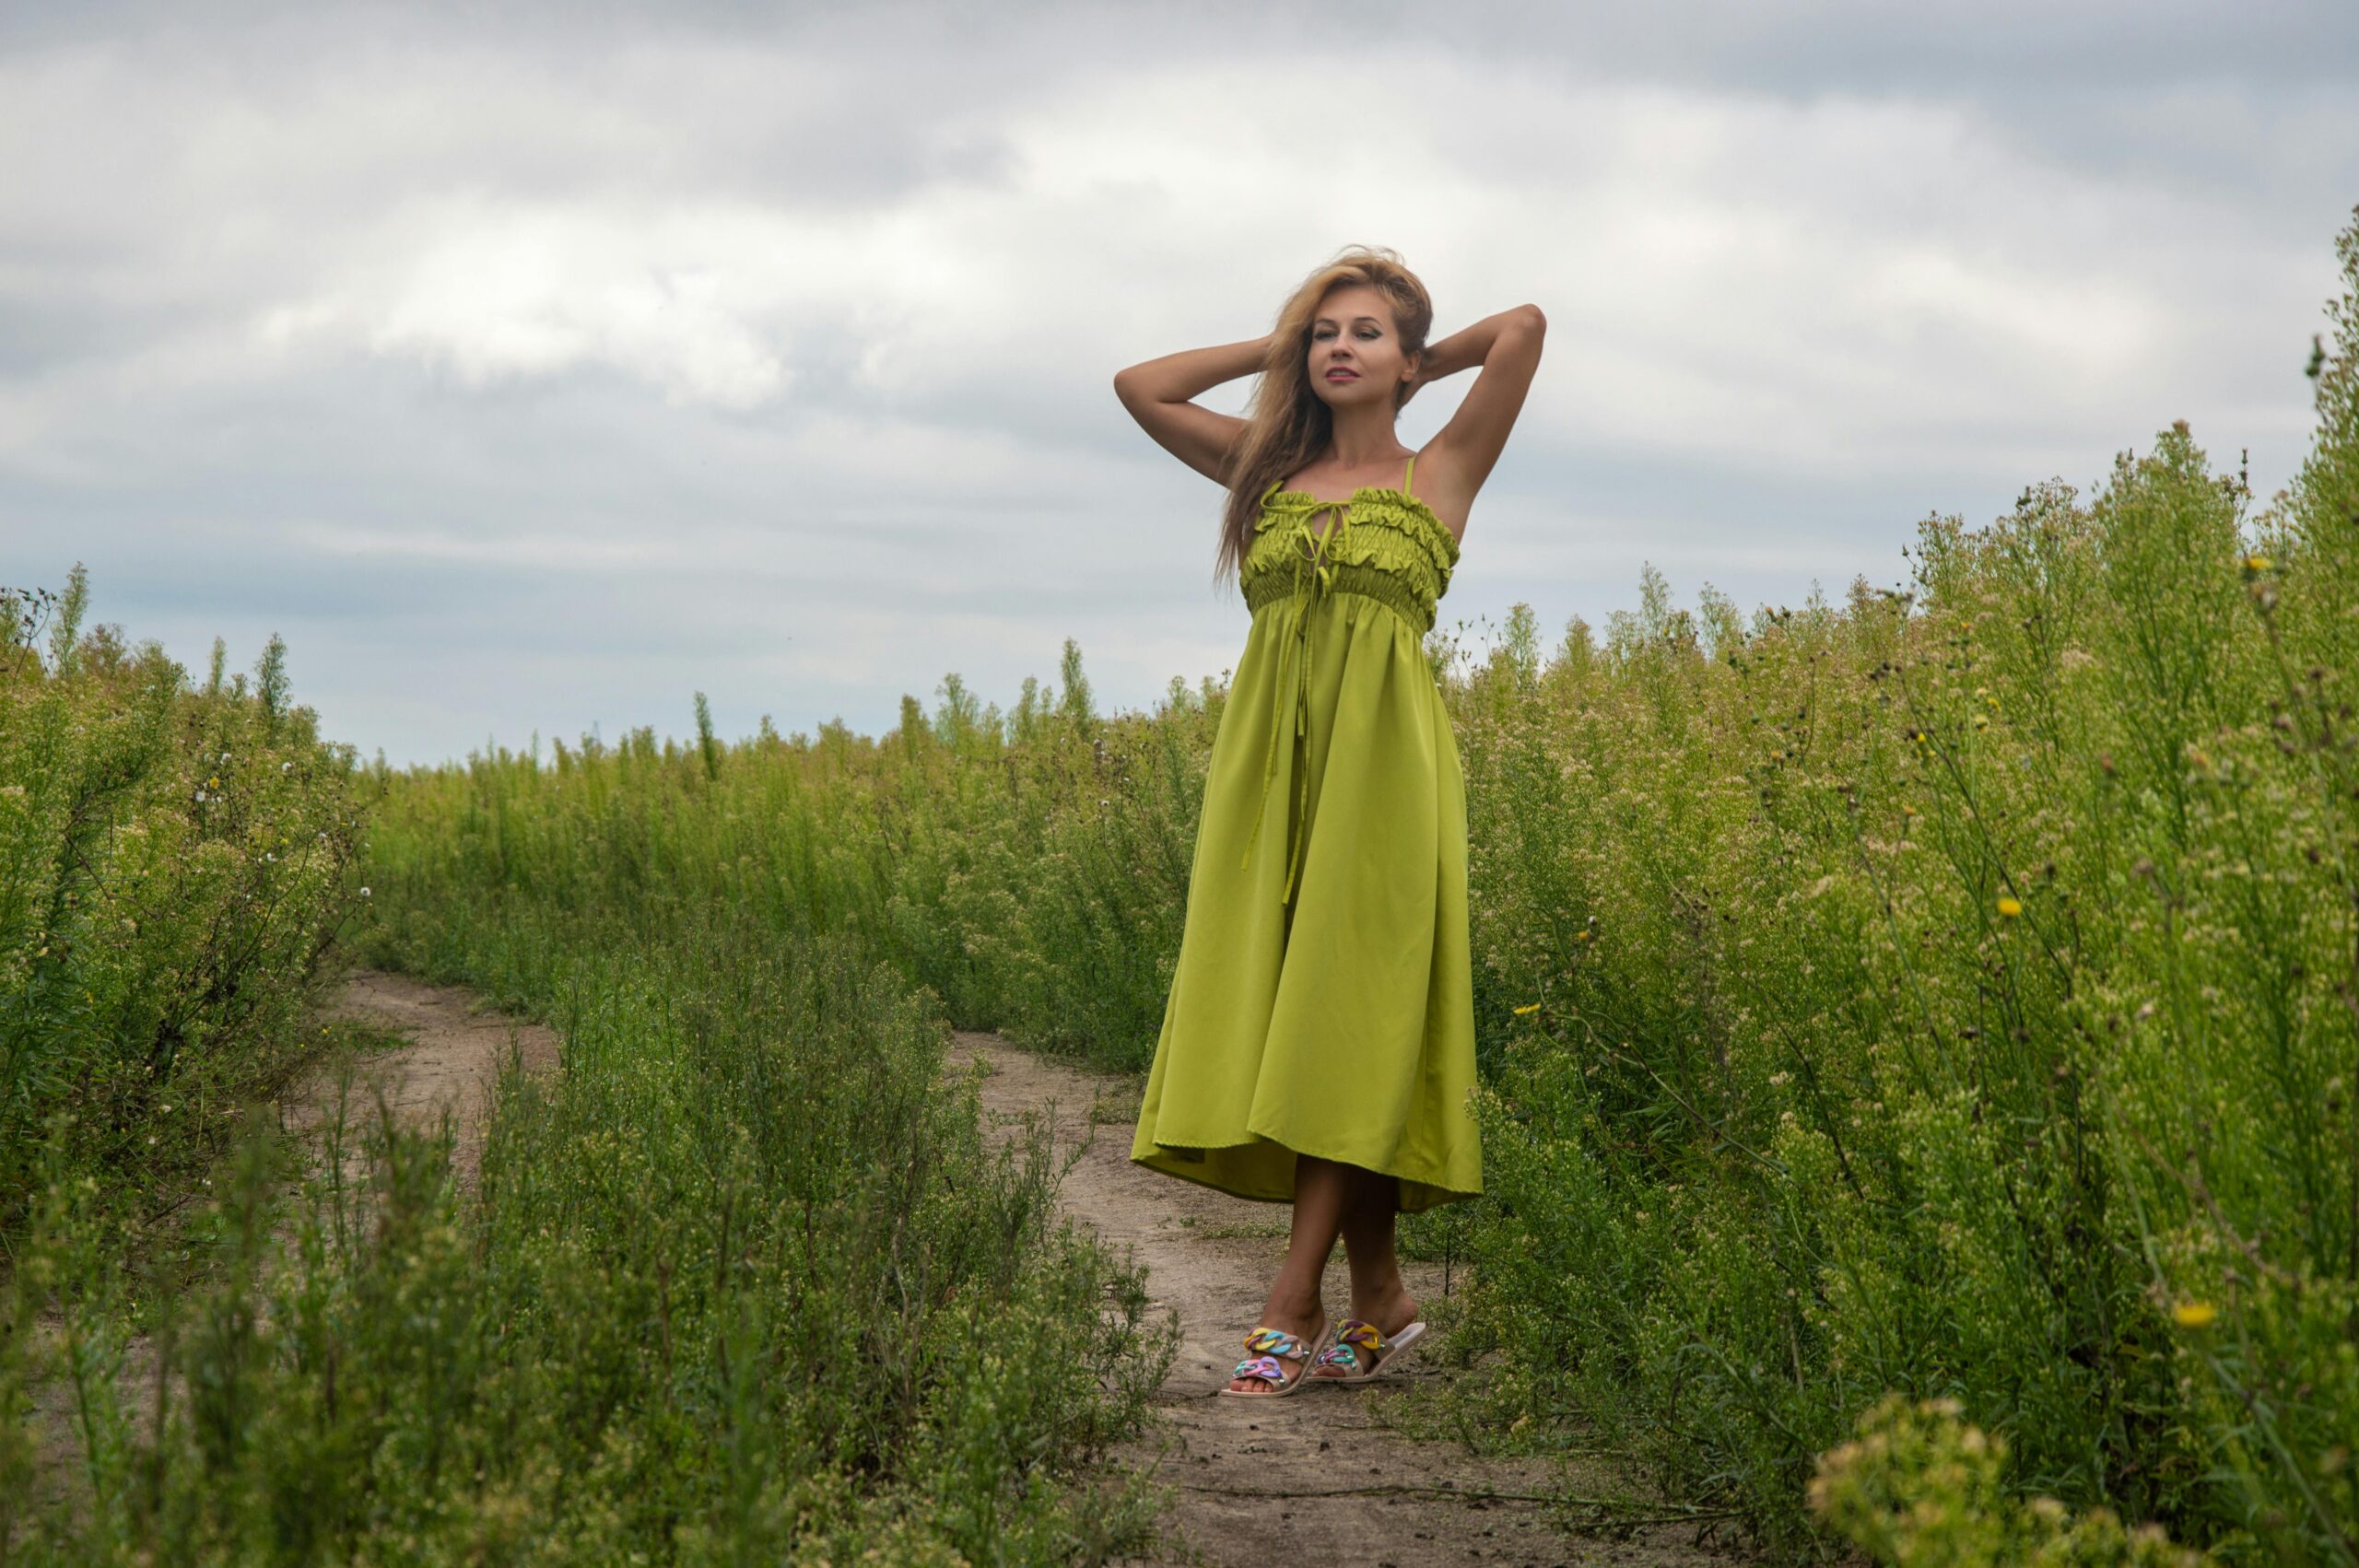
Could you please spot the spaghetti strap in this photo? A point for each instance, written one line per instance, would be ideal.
(1406, 472)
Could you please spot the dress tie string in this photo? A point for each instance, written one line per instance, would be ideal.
(1314, 580)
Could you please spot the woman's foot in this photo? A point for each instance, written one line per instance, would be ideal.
(1391, 1313)
(1305, 1325)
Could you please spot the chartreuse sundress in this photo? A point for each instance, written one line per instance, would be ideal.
(1323, 1001)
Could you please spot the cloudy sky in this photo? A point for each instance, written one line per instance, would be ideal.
(531, 374)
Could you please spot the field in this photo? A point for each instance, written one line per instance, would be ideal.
(1920, 1042)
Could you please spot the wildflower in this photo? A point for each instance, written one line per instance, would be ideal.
(212, 782)
(1528, 1007)
(2194, 1314)
(1582, 936)
(2011, 907)
(286, 768)
(2256, 563)
(364, 893)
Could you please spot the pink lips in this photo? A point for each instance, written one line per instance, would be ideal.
(1342, 375)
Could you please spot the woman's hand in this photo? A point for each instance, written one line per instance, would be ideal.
(1468, 347)
(1459, 351)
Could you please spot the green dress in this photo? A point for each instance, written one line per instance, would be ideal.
(1323, 1001)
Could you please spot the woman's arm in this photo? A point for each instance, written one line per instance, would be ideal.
(1462, 454)
(1158, 393)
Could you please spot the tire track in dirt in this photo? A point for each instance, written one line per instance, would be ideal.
(1390, 1500)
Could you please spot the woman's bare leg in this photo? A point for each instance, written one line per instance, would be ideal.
(1379, 1294)
(1321, 1190)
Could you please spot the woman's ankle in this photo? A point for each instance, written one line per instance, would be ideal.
(1391, 1308)
(1303, 1314)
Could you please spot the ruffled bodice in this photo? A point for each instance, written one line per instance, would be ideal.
(1382, 543)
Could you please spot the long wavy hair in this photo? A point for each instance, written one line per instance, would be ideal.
(1286, 424)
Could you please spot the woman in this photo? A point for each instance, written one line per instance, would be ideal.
(1317, 1043)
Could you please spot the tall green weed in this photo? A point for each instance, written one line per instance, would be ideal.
(173, 859)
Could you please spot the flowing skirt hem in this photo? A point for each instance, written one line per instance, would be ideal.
(1252, 1177)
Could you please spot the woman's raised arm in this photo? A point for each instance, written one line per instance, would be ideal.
(1158, 393)
(1508, 348)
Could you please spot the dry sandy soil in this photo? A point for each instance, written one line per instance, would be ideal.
(1315, 1477)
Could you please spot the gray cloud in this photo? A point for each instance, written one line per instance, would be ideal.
(536, 371)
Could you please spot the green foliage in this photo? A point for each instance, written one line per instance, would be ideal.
(744, 1283)
(1920, 1488)
(172, 861)
(1953, 994)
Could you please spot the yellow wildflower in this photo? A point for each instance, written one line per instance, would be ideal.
(2256, 563)
(1528, 1007)
(2011, 907)
(2194, 1314)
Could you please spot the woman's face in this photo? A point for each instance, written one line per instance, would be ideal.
(1355, 353)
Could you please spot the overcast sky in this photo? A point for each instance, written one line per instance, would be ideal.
(534, 374)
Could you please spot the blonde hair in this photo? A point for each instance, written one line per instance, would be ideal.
(1286, 424)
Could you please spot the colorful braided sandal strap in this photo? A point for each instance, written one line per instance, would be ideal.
(1272, 1343)
(1350, 1339)
(1263, 1367)
(1276, 1341)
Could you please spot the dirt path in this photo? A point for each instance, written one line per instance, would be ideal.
(1386, 1497)
(452, 1054)
(1314, 1479)
(449, 1057)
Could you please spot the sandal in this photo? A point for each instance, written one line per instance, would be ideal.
(1363, 1351)
(1270, 1344)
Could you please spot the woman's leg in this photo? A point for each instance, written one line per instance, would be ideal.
(1320, 1190)
(1379, 1294)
